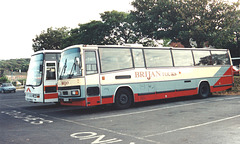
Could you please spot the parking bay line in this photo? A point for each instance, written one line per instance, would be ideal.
(156, 109)
(145, 138)
(193, 126)
(86, 125)
(103, 129)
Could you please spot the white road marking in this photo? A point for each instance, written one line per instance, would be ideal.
(96, 138)
(104, 129)
(139, 112)
(90, 126)
(194, 126)
(156, 109)
(35, 120)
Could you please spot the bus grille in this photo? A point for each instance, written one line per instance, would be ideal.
(65, 92)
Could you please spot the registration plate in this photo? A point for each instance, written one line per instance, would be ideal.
(30, 100)
(66, 99)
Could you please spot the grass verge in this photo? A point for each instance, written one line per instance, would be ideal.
(235, 89)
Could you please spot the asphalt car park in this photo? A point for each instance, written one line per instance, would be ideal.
(215, 120)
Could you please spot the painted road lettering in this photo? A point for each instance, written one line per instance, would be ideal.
(96, 139)
(27, 118)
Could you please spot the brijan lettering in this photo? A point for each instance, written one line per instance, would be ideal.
(150, 74)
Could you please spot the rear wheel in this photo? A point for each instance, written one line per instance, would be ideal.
(123, 99)
(204, 90)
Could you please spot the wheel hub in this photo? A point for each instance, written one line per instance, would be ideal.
(123, 99)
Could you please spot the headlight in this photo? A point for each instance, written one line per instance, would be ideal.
(75, 92)
(36, 95)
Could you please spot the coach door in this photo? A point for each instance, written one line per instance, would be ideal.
(92, 78)
(50, 82)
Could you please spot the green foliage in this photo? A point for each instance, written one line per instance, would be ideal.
(15, 65)
(89, 33)
(4, 79)
(181, 20)
(113, 18)
(120, 28)
(215, 22)
(229, 36)
(52, 39)
(166, 42)
(115, 28)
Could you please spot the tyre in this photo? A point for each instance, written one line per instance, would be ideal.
(123, 99)
(204, 90)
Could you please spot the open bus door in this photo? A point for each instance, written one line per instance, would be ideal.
(92, 82)
(50, 82)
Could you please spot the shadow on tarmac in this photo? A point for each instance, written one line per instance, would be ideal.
(56, 109)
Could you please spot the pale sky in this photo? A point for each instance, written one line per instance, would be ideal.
(22, 20)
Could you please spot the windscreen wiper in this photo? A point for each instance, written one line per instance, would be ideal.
(63, 69)
(71, 74)
(31, 86)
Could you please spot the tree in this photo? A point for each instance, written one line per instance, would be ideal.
(89, 33)
(51, 39)
(121, 29)
(14, 65)
(114, 28)
(229, 36)
(118, 27)
(3, 79)
(182, 20)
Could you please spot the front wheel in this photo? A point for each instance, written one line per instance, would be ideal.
(123, 99)
(204, 90)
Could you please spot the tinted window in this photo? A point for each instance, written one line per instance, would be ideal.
(115, 59)
(34, 76)
(6, 84)
(138, 57)
(91, 62)
(182, 57)
(67, 65)
(157, 58)
(220, 58)
(51, 71)
(50, 57)
(202, 58)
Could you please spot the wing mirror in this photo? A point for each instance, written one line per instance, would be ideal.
(77, 62)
